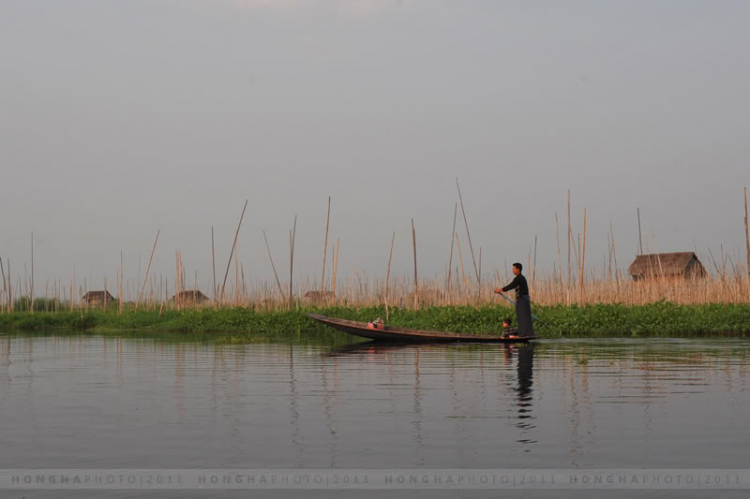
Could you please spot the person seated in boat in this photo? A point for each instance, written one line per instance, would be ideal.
(523, 301)
(508, 330)
(376, 324)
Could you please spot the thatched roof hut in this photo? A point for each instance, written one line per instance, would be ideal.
(98, 297)
(319, 297)
(190, 296)
(683, 265)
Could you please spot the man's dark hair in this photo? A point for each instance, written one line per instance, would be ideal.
(508, 321)
(518, 266)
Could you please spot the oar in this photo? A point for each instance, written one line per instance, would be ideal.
(514, 304)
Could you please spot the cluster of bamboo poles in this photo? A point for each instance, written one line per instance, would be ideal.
(360, 290)
(576, 284)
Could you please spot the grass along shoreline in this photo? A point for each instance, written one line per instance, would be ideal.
(661, 319)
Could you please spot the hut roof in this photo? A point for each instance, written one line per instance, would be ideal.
(98, 296)
(666, 264)
(190, 295)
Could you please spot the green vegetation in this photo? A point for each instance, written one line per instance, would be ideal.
(662, 319)
(23, 303)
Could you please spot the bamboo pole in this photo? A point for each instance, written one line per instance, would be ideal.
(479, 294)
(453, 238)
(183, 283)
(533, 275)
(243, 295)
(231, 253)
(569, 234)
(334, 277)
(325, 246)
(607, 271)
(335, 268)
(140, 295)
(577, 250)
(614, 257)
(747, 235)
(416, 277)
(468, 233)
(10, 289)
(461, 259)
(559, 260)
(583, 253)
(177, 275)
(213, 264)
(178, 287)
(31, 294)
(388, 279)
(278, 283)
(292, 235)
(120, 304)
(5, 284)
(149, 293)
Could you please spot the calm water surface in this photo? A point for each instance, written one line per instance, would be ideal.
(103, 402)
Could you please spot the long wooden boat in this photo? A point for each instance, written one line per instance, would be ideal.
(382, 332)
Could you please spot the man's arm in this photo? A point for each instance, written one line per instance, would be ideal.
(513, 285)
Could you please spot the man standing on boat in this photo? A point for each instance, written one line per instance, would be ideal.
(523, 301)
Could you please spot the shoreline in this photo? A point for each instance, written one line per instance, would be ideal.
(661, 319)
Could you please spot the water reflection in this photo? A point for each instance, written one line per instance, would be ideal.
(5, 363)
(367, 347)
(524, 392)
(562, 403)
(520, 356)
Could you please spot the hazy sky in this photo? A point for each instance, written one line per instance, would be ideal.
(118, 118)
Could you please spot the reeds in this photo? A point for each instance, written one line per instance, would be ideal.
(356, 290)
(730, 285)
(589, 283)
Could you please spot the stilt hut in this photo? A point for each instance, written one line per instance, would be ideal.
(683, 265)
(190, 296)
(319, 297)
(94, 298)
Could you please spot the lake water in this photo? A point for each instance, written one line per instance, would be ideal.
(91, 402)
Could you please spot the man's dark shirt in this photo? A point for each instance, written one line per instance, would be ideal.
(520, 285)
